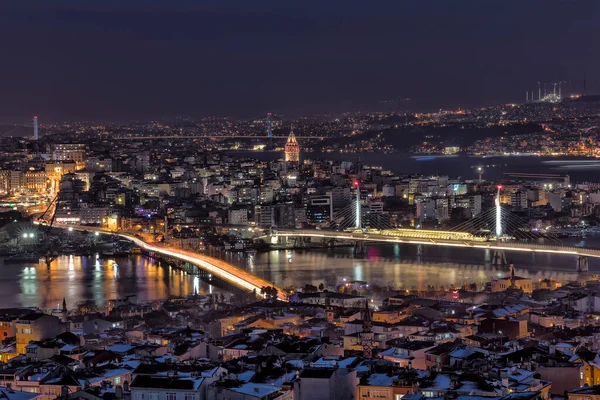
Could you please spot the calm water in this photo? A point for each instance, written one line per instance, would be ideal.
(401, 266)
(82, 278)
(578, 168)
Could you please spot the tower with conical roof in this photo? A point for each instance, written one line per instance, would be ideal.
(292, 150)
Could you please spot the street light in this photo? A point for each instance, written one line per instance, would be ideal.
(25, 235)
(32, 235)
(70, 229)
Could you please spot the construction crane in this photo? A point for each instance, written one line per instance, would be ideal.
(41, 217)
(49, 255)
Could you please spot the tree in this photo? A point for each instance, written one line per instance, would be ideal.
(321, 286)
(266, 291)
(87, 307)
(274, 292)
(309, 288)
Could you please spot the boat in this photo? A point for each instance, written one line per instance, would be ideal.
(22, 259)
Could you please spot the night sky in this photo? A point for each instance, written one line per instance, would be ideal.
(128, 59)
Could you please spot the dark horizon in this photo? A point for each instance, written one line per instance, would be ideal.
(109, 61)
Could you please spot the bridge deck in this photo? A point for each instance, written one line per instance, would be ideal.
(219, 268)
(443, 241)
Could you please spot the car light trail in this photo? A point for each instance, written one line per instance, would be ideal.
(218, 268)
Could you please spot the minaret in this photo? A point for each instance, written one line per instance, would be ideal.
(512, 275)
(63, 313)
(367, 336)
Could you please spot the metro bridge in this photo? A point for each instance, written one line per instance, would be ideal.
(445, 239)
(497, 230)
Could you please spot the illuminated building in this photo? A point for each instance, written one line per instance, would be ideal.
(70, 152)
(264, 216)
(292, 150)
(319, 209)
(35, 326)
(451, 150)
(86, 177)
(111, 222)
(34, 181)
(56, 169)
(238, 217)
(85, 216)
(99, 164)
(5, 186)
(7, 328)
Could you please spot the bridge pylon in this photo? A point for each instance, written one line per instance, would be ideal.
(499, 258)
(359, 249)
(583, 264)
(300, 242)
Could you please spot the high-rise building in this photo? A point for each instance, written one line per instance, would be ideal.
(238, 216)
(319, 209)
(264, 216)
(292, 149)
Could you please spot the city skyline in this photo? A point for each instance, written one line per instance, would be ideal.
(109, 61)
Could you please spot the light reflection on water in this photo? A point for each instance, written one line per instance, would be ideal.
(402, 266)
(87, 278)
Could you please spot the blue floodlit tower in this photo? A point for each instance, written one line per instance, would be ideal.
(269, 130)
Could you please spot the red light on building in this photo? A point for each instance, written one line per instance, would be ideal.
(499, 187)
(355, 183)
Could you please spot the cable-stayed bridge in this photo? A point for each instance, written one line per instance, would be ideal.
(496, 229)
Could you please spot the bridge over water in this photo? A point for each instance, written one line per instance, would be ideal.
(218, 268)
(447, 239)
(496, 229)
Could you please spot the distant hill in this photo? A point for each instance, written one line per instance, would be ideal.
(589, 101)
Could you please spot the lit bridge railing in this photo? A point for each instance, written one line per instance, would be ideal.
(442, 238)
(428, 234)
(219, 268)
